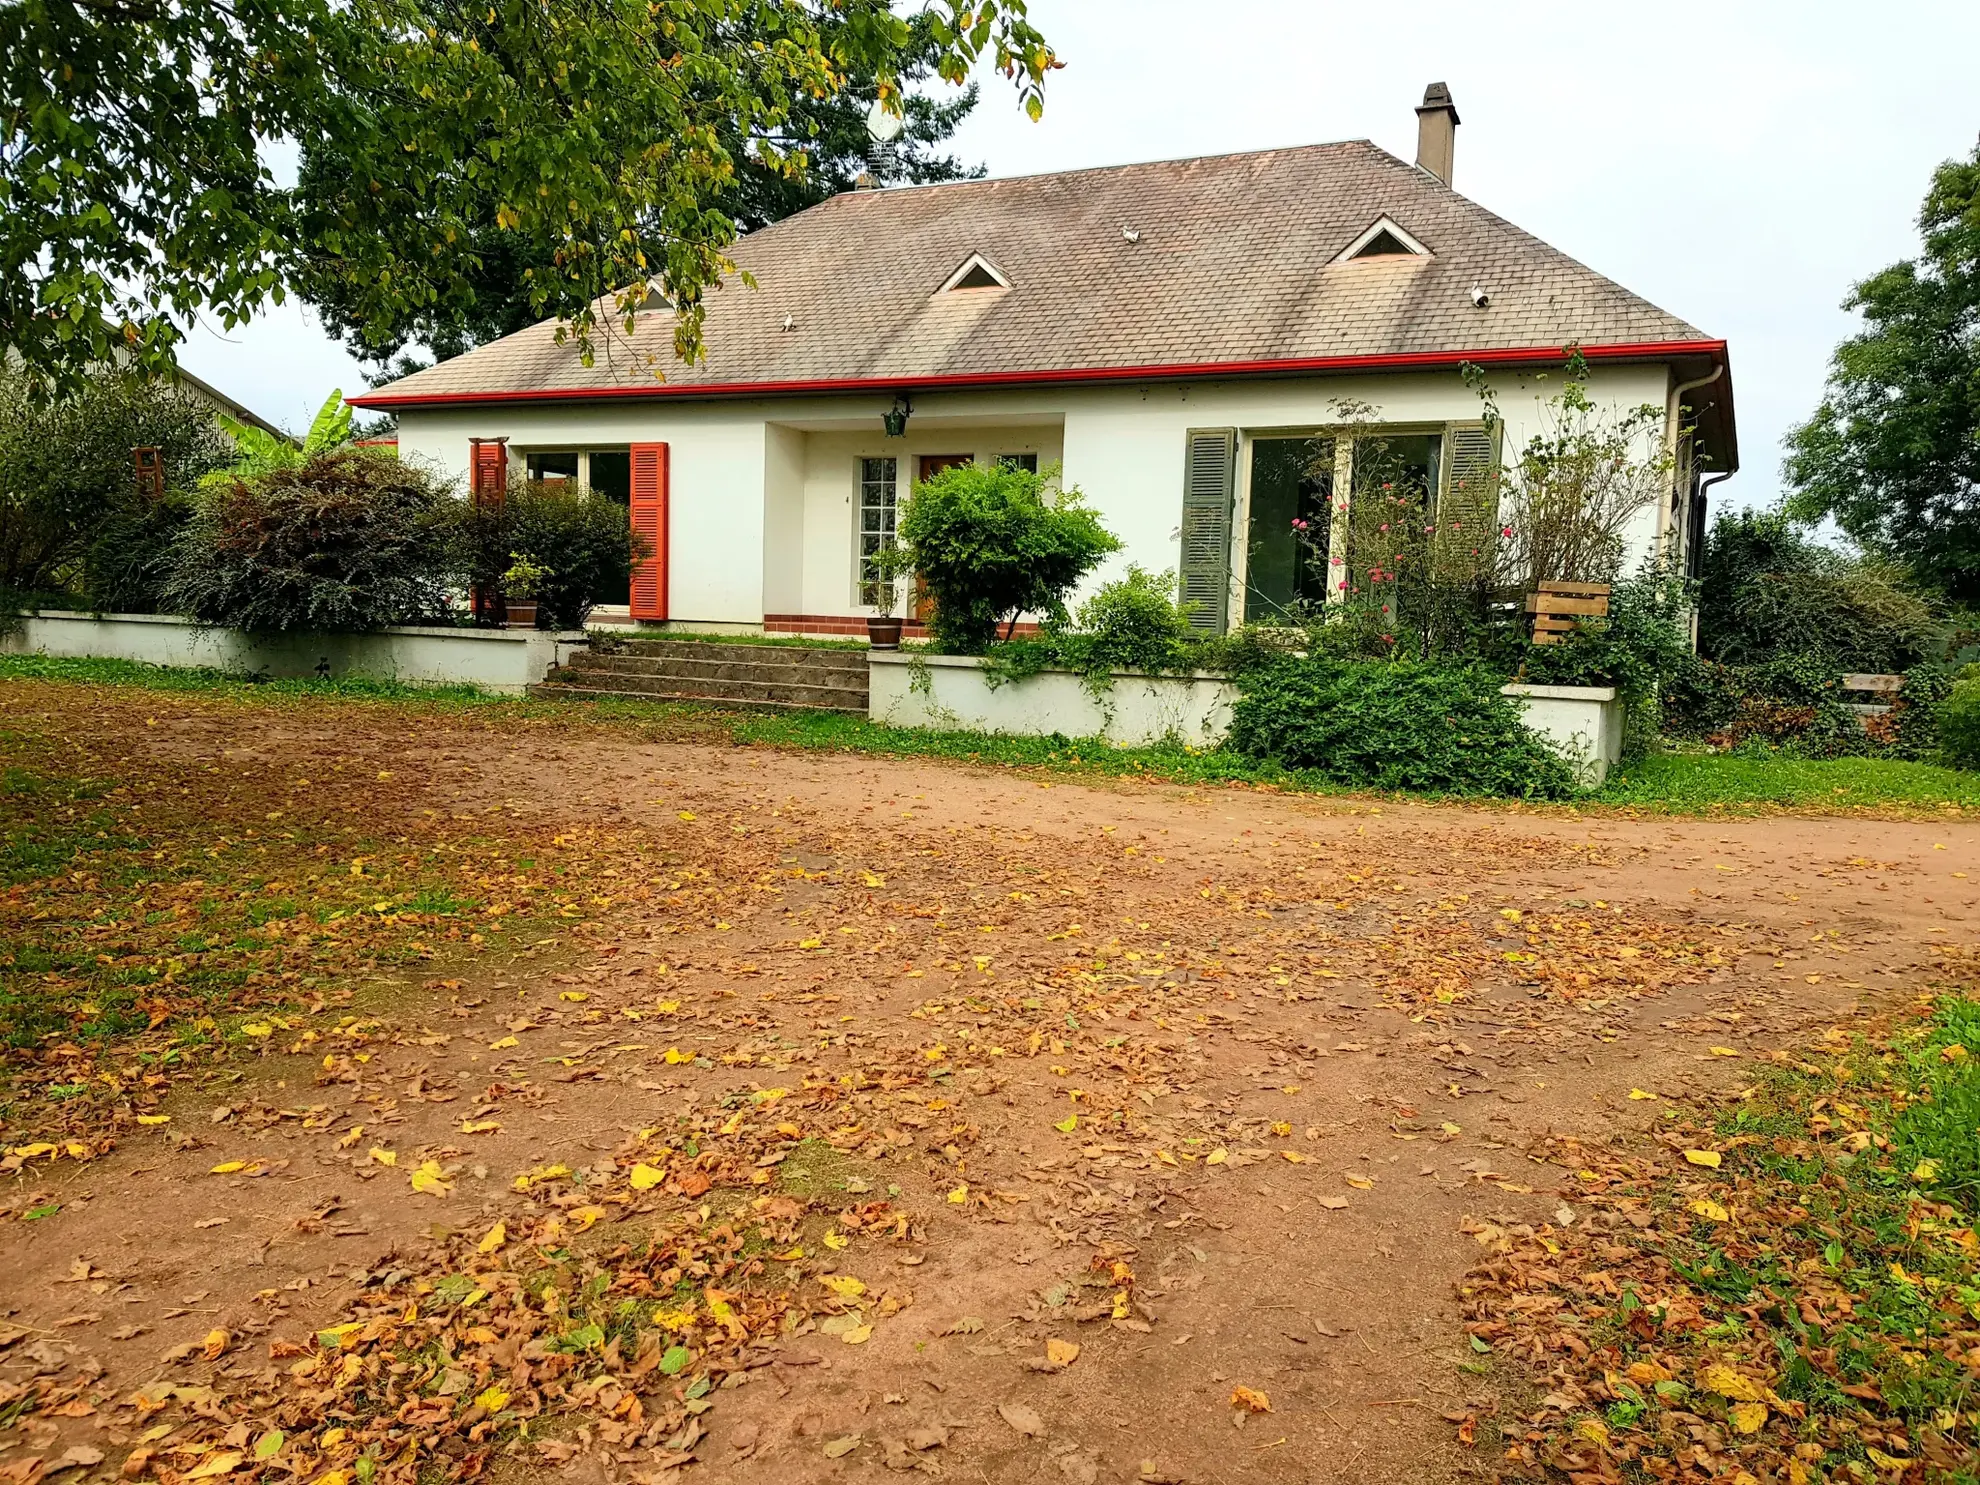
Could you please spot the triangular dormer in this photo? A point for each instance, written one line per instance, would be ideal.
(977, 272)
(1383, 239)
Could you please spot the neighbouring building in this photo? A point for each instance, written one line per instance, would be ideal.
(1180, 337)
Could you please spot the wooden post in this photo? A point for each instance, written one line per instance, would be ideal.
(488, 489)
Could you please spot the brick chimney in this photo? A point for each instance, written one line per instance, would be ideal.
(1436, 131)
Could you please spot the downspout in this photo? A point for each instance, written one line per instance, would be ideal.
(1673, 406)
(1704, 485)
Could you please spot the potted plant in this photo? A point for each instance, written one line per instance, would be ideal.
(522, 585)
(883, 627)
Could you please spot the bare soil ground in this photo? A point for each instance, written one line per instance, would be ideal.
(1205, 1082)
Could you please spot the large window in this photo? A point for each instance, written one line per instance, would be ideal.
(606, 472)
(877, 512)
(1292, 522)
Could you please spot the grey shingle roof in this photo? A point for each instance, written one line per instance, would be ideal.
(1234, 264)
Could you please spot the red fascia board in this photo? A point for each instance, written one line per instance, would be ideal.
(1654, 350)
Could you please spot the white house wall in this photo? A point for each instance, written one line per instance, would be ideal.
(762, 490)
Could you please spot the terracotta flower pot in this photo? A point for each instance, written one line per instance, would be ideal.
(883, 634)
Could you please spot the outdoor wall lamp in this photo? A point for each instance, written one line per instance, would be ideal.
(896, 417)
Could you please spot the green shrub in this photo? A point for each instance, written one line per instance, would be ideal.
(67, 480)
(129, 557)
(352, 540)
(1958, 717)
(583, 544)
(994, 542)
(1769, 590)
(1131, 624)
(1441, 729)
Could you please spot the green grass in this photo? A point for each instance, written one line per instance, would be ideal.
(1676, 783)
(1696, 783)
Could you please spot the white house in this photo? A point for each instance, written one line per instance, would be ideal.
(1181, 336)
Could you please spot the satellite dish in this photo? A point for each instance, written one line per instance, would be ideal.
(882, 125)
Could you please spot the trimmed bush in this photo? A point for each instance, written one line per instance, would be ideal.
(583, 543)
(1439, 729)
(992, 543)
(1133, 623)
(353, 540)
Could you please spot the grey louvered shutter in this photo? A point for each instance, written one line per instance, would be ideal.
(1208, 482)
(1470, 501)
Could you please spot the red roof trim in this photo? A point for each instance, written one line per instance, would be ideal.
(1655, 350)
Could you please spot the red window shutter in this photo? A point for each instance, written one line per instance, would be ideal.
(489, 473)
(649, 519)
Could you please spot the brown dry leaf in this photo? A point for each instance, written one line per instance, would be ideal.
(1024, 1419)
(1250, 1400)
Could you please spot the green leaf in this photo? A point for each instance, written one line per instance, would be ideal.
(674, 1360)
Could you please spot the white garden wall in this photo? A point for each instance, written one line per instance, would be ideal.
(507, 660)
(1584, 724)
(951, 693)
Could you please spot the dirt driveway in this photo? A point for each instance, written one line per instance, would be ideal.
(1205, 1084)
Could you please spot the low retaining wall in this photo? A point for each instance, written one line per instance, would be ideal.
(1584, 724)
(509, 660)
(951, 693)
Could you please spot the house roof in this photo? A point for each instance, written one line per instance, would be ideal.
(1231, 270)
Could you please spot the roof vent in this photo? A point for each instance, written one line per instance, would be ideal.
(1384, 239)
(978, 272)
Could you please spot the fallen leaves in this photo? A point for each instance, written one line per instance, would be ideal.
(431, 1180)
(1023, 1419)
(1250, 1400)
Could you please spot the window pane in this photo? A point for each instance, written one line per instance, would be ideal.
(1027, 462)
(552, 466)
(611, 474)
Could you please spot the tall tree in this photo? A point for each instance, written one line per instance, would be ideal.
(136, 191)
(1893, 451)
(816, 151)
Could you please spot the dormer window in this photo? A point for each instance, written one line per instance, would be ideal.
(1384, 239)
(977, 272)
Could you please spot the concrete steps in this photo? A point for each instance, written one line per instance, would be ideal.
(759, 677)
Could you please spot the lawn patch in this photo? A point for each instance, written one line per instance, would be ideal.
(1777, 1286)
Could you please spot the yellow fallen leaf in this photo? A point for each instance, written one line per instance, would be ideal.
(256, 1029)
(1450, 1128)
(214, 1466)
(228, 1167)
(687, 815)
(431, 1179)
(494, 1399)
(384, 1156)
(1251, 1400)
(574, 996)
(1167, 1159)
(1293, 1155)
(1925, 1170)
(151, 1119)
(1061, 1353)
(859, 1335)
(836, 1242)
(645, 1177)
(1707, 1158)
(497, 1235)
(1748, 1417)
(843, 1285)
(960, 1194)
(1704, 1206)
(1724, 1052)
(1068, 1124)
(586, 1217)
(1639, 1093)
(215, 1345)
(1360, 1183)
(504, 1044)
(1722, 1379)
(479, 1126)
(1217, 1156)
(351, 1136)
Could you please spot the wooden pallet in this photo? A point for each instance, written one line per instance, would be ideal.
(1559, 607)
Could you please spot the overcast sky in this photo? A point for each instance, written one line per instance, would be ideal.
(1739, 164)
